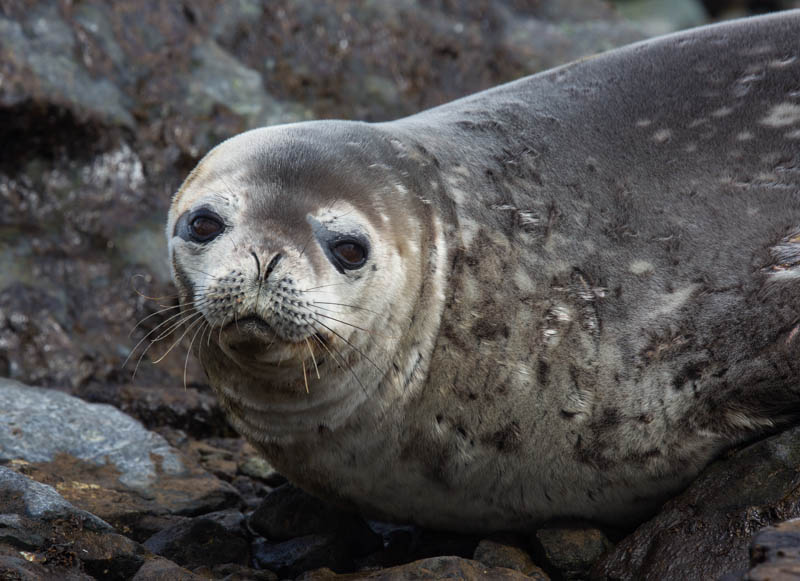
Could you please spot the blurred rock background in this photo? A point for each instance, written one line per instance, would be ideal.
(104, 109)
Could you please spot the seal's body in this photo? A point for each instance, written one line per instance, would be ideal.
(558, 298)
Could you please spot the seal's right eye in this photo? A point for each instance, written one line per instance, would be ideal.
(204, 228)
(200, 226)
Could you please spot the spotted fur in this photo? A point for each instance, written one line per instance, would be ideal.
(583, 285)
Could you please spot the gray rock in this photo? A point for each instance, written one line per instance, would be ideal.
(22, 496)
(656, 17)
(44, 44)
(705, 532)
(219, 79)
(38, 424)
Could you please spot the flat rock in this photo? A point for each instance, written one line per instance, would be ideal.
(706, 531)
(102, 460)
(36, 425)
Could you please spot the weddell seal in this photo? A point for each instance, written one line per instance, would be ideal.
(561, 297)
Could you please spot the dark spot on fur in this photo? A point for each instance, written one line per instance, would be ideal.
(610, 417)
(543, 372)
(690, 373)
(439, 418)
(489, 326)
(568, 415)
(461, 431)
(508, 439)
(591, 454)
(646, 418)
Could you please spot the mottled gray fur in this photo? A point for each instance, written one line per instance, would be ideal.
(619, 249)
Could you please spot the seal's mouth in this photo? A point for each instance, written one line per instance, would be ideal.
(250, 324)
(248, 336)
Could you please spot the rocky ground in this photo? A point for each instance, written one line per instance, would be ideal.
(104, 108)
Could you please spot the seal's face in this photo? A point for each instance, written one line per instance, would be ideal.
(287, 263)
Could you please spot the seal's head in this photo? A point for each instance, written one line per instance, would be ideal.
(297, 262)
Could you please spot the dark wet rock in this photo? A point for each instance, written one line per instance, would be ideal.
(571, 550)
(291, 558)
(204, 540)
(507, 552)
(705, 532)
(288, 512)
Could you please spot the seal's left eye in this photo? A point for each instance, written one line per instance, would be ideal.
(204, 228)
(350, 254)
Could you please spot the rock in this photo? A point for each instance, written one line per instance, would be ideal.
(46, 529)
(288, 512)
(705, 532)
(505, 552)
(656, 17)
(102, 460)
(291, 558)
(159, 569)
(19, 566)
(191, 410)
(25, 498)
(433, 568)
(41, 45)
(775, 553)
(258, 467)
(204, 540)
(570, 549)
(37, 424)
(231, 572)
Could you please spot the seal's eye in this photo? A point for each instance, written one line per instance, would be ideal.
(205, 227)
(349, 253)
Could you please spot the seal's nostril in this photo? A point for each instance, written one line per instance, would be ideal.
(258, 264)
(272, 264)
